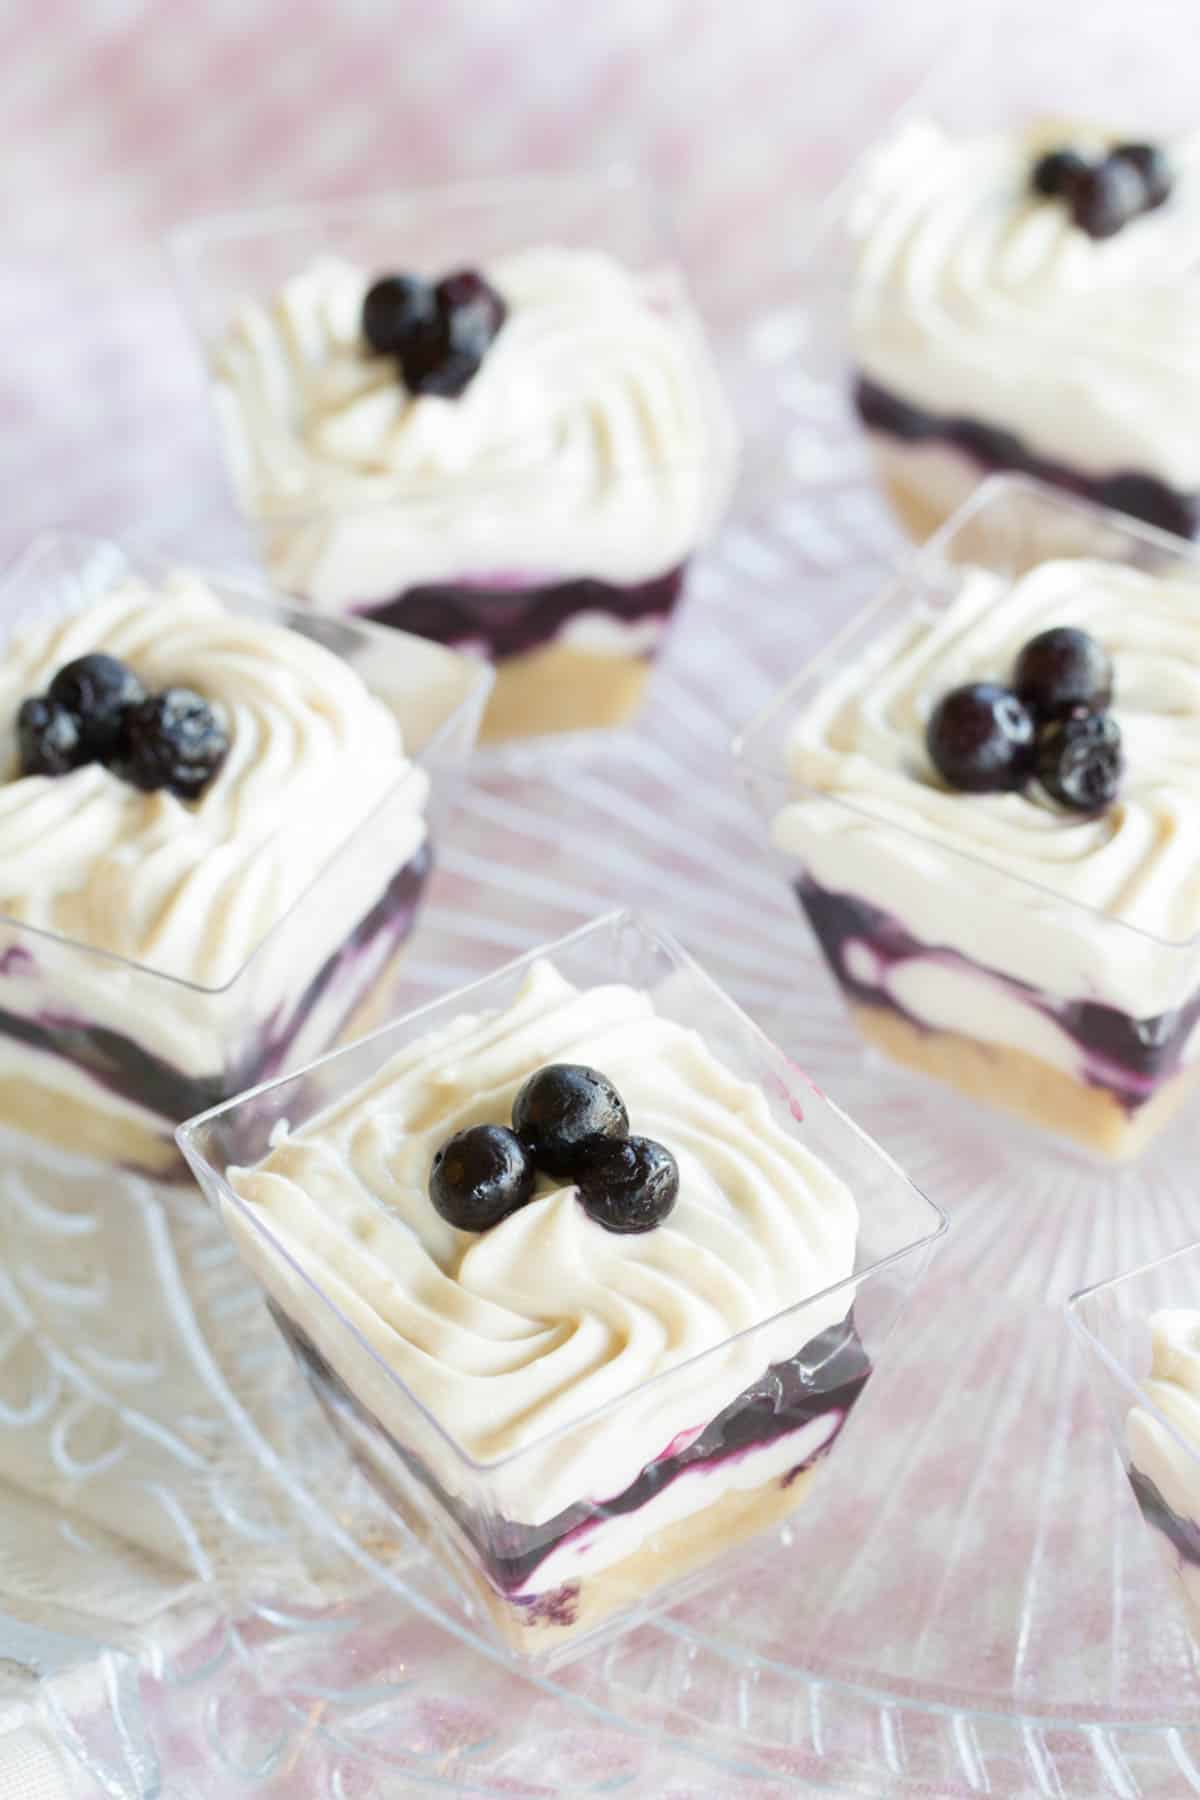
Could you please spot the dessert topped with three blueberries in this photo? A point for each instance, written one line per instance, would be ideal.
(1052, 725)
(96, 710)
(568, 1121)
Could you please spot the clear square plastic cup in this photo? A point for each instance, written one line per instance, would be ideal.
(959, 938)
(103, 1056)
(547, 514)
(976, 337)
(1141, 1335)
(578, 1526)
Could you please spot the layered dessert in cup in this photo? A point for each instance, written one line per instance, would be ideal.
(585, 1271)
(1024, 299)
(214, 837)
(486, 415)
(1141, 1332)
(986, 790)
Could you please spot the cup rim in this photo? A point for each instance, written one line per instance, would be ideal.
(186, 1135)
(922, 567)
(248, 595)
(1073, 1308)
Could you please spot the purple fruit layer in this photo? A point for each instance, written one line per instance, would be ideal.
(1183, 1534)
(822, 1380)
(123, 1066)
(1128, 491)
(512, 618)
(1128, 1057)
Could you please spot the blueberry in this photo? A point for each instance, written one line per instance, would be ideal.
(981, 738)
(99, 690)
(48, 738)
(396, 310)
(562, 1105)
(1154, 169)
(1062, 669)
(172, 740)
(1056, 173)
(1107, 197)
(1079, 760)
(479, 1176)
(628, 1184)
(445, 359)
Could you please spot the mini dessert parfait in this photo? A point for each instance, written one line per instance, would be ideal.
(587, 1274)
(214, 838)
(1143, 1350)
(1025, 300)
(487, 416)
(988, 790)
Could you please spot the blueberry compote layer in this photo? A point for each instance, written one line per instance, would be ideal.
(511, 620)
(823, 1380)
(1128, 491)
(123, 1066)
(1182, 1534)
(1130, 1058)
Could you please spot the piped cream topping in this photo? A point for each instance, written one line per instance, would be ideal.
(190, 889)
(592, 441)
(976, 297)
(1174, 1388)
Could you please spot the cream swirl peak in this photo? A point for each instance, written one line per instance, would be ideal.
(510, 1335)
(190, 890)
(977, 298)
(592, 440)
(858, 757)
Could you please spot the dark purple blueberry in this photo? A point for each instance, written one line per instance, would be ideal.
(446, 359)
(1062, 669)
(628, 1184)
(397, 309)
(172, 740)
(99, 690)
(1107, 197)
(48, 738)
(560, 1107)
(1079, 760)
(1056, 173)
(479, 1176)
(1154, 169)
(981, 738)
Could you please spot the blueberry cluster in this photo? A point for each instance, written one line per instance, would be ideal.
(96, 710)
(569, 1121)
(1052, 724)
(439, 332)
(1104, 196)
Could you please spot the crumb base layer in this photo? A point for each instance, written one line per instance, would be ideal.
(561, 688)
(1025, 1085)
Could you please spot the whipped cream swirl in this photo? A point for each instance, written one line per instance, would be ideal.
(1013, 881)
(191, 890)
(593, 441)
(975, 297)
(528, 1328)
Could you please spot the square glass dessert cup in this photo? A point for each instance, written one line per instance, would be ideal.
(546, 515)
(577, 1530)
(1141, 1336)
(974, 341)
(103, 1056)
(952, 963)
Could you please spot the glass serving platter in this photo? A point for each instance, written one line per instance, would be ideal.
(985, 1613)
(198, 1594)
